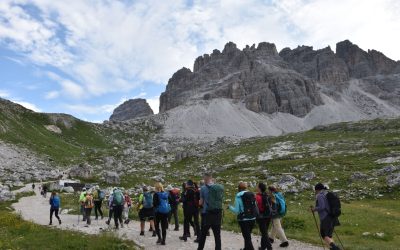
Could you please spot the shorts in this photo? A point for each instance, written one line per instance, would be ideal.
(327, 226)
(146, 213)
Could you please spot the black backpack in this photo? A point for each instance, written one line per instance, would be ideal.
(270, 208)
(334, 203)
(250, 208)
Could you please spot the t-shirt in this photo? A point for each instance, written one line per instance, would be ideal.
(204, 196)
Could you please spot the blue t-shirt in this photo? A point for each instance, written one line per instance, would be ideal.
(204, 196)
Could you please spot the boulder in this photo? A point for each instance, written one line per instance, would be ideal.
(308, 176)
(112, 178)
(68, 189)
(6, 194)
(356, 176)
(83, 170)
(131, 109)
(393, 180)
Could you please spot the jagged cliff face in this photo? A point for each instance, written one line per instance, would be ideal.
(259, 77)
(267, 81)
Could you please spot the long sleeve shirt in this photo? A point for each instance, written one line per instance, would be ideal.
(322, 206)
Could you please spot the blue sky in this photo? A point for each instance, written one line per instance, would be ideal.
(86, 57)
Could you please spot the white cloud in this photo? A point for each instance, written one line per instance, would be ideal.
(154, 103)
(52, 95)
(28, 105)
(4, 93)
(72, 89)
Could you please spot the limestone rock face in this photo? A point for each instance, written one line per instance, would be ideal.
(259, 77)
(362, 63)
(131, 109)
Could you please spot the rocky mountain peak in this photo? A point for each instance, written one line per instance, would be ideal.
(131, 109)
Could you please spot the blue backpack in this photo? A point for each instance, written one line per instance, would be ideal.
(55, 201)
(280, 201)
(147, 200)
(163, 207)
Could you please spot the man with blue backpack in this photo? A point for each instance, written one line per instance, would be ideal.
(118, 206)
(278, 200)
(55, 202)
(146, 210)
(162, 209)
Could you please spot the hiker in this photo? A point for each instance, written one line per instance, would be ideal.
(247, 211)
(117, 207)
(211, 198)
(328, 221)
(89, 204)
(190, 208)
(278, 200)
(82, 203)
(265, 213)
(33, 186)
(54, 207)
(127, 207)
(146, 210)
(110, 207)
(44, 189)
(162, 209)
(174, 202)
(98, 197)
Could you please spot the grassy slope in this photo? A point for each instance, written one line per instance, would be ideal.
(27, 129)
(16, 233)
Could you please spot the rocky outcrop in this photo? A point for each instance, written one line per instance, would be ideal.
(131, 109)
(83, 170)
(257, 76)
(362, 64)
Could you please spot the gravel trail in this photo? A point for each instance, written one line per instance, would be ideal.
(36, 209)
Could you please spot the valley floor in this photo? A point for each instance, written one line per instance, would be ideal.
(35, 209)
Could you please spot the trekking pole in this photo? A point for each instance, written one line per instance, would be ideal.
(337, 236)
(316, 225)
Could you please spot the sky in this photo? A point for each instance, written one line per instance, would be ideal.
(85, 57)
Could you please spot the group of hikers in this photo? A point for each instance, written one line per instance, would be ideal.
(159, 206)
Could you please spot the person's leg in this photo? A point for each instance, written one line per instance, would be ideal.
(88, 212)
(279, 230)
(217, 236)
(203, 236)
(164, 225)
(100, 210)
(176, 219)
(51, 216)
(120, 208)
(116, 219)
(96, 208)
(246, 227)
(56, 214)
(83, 212)
(196, 223)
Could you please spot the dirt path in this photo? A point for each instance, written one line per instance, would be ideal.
(36, 209)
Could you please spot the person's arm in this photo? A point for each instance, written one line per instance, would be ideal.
(236, 208)
(320, 204)
(201, 201)
(155, 200)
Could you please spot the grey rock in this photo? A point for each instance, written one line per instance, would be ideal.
(358, 176)
(6, 194)
(308, 176)
(387, 170)
(259, 77)
(68, 189)
(83, 170)
(112, 177)
(181, 155)
(131, 109)
(393, 180)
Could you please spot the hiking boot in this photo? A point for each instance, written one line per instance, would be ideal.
(176, 229)
(163, 243)
(108, 222)
(271, 240)
(122, 225)
(59, 222)
(102, 217)
(154, 234)
(284, 244)
(141, 233)
(158, 241)
(50, 223)
(96, 218)
(208, 233)
(184, 238)
(196, 240)
(334, 247)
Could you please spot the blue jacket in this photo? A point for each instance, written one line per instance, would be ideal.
(55, 202)
(239, 208)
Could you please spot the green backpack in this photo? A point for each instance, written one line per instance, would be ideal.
(215, 197)
(118, 198)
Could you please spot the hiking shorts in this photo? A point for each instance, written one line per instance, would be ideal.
(146, 213)
(327, 226)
